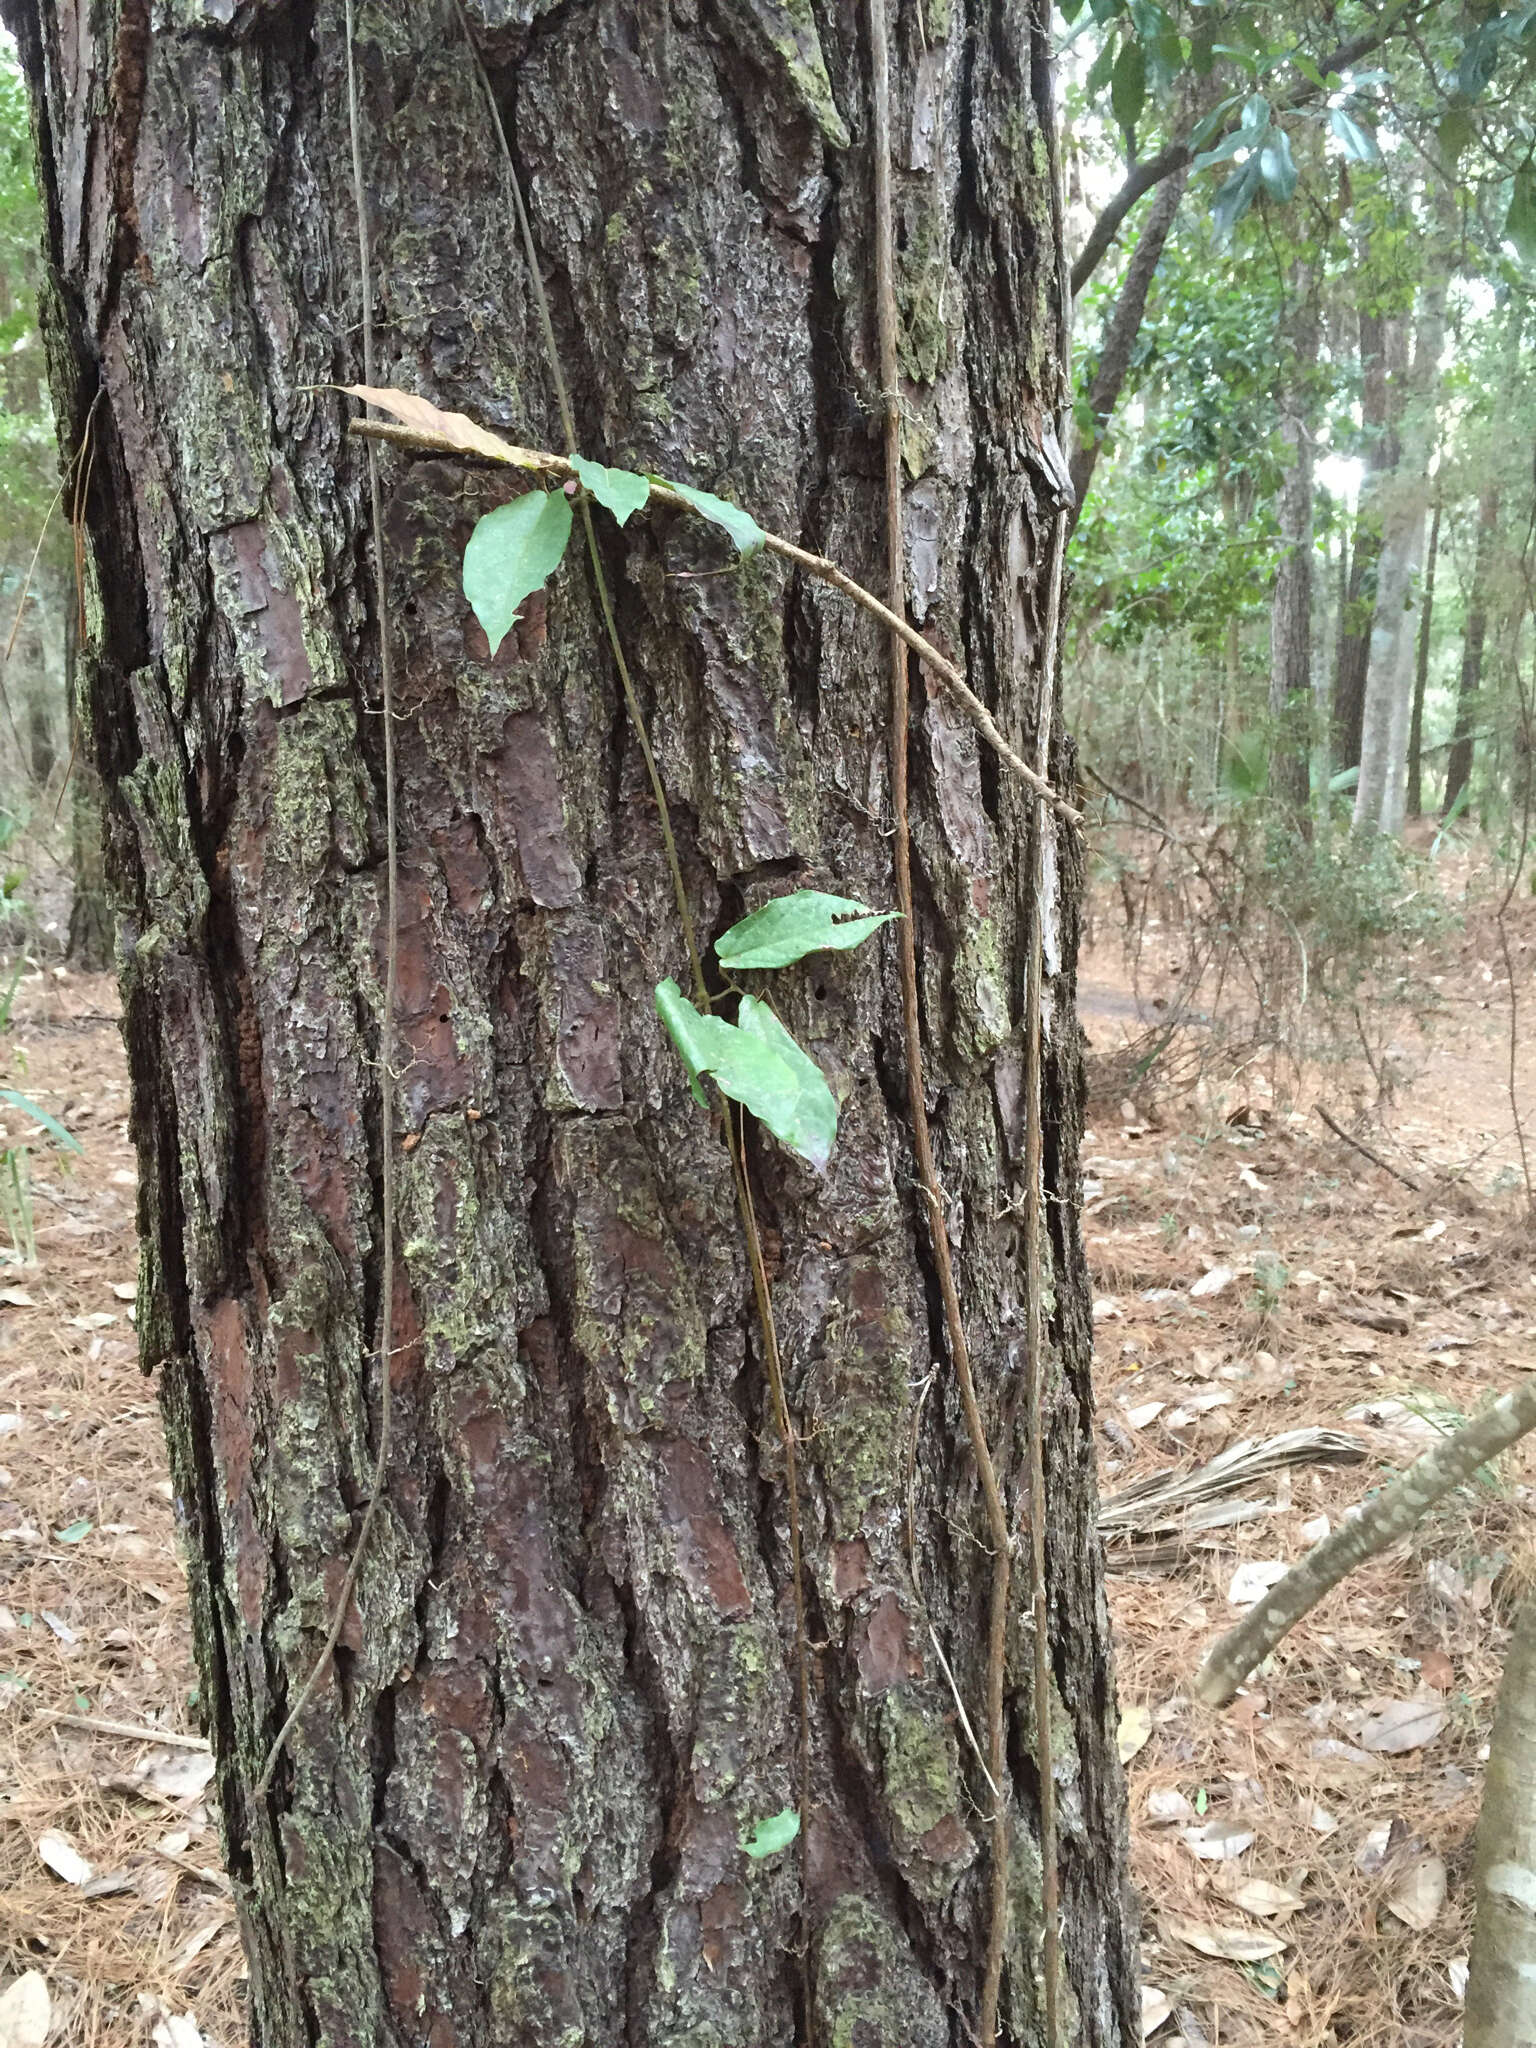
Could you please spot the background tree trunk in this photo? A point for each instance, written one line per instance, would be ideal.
(1359, 602)
(512, 1812)
(1458, 769)
(1421, 669)
(1290, 645)
(1381, 793)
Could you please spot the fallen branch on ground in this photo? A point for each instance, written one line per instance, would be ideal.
(1361, 1147)
(1380, 1522)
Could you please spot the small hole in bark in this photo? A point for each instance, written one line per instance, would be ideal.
(820, 991)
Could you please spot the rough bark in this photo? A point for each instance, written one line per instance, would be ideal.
(1501, 1984)
(91, 919)
(1421, 669)
(1458, 768)
(513, 1811)
(1115, 351)
(1360, 592)
(1290, 640)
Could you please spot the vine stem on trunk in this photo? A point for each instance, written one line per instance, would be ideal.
(422, 443)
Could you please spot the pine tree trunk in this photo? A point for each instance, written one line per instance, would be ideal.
(1458, 770)
(1290, 645)
(513, 1811)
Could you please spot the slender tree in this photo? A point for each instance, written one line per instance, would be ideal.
(1458, 771)
(1381, 793)
(1421, 668)
(523, 1803)
(1290, 656)
(1359, 599)
(1113, 361)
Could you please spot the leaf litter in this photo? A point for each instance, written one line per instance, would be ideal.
(104, 1937)
(1362, 1734)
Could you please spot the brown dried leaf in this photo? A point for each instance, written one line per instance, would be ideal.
(1403, 1725)
(1256, 1895)
(1418, 1892)
(1135, 1731)
(1228, 1944)
(456, 427)
(1219, 1841)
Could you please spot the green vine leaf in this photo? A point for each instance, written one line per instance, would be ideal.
(619, 491)
(759, 1065)
(741, 526)
(807, 1120)
(789, 927)
(513, 552)
(772, 1834)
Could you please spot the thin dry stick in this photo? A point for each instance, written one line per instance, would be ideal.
(1394, 1511)
(1365, 1151)
(734, 1145)
(927, 1173)
(423, 443)
(1034, 1331)
(391, 950)
(124, 1731)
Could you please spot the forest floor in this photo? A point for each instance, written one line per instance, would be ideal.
(1302, 1856)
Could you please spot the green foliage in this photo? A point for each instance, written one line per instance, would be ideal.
(756, 1063)
(619, 491)
(13, 1099)
(743, 529)
(787, 928)
(772, 1834)
(513, 552)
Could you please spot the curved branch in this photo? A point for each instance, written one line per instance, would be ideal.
(1120, 336)
(490, 448)
(1396, 1510)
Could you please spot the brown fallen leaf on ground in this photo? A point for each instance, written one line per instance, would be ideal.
(1403, 1725)
(1258, 1895)
(1418, 1891)
(1227, 1944)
